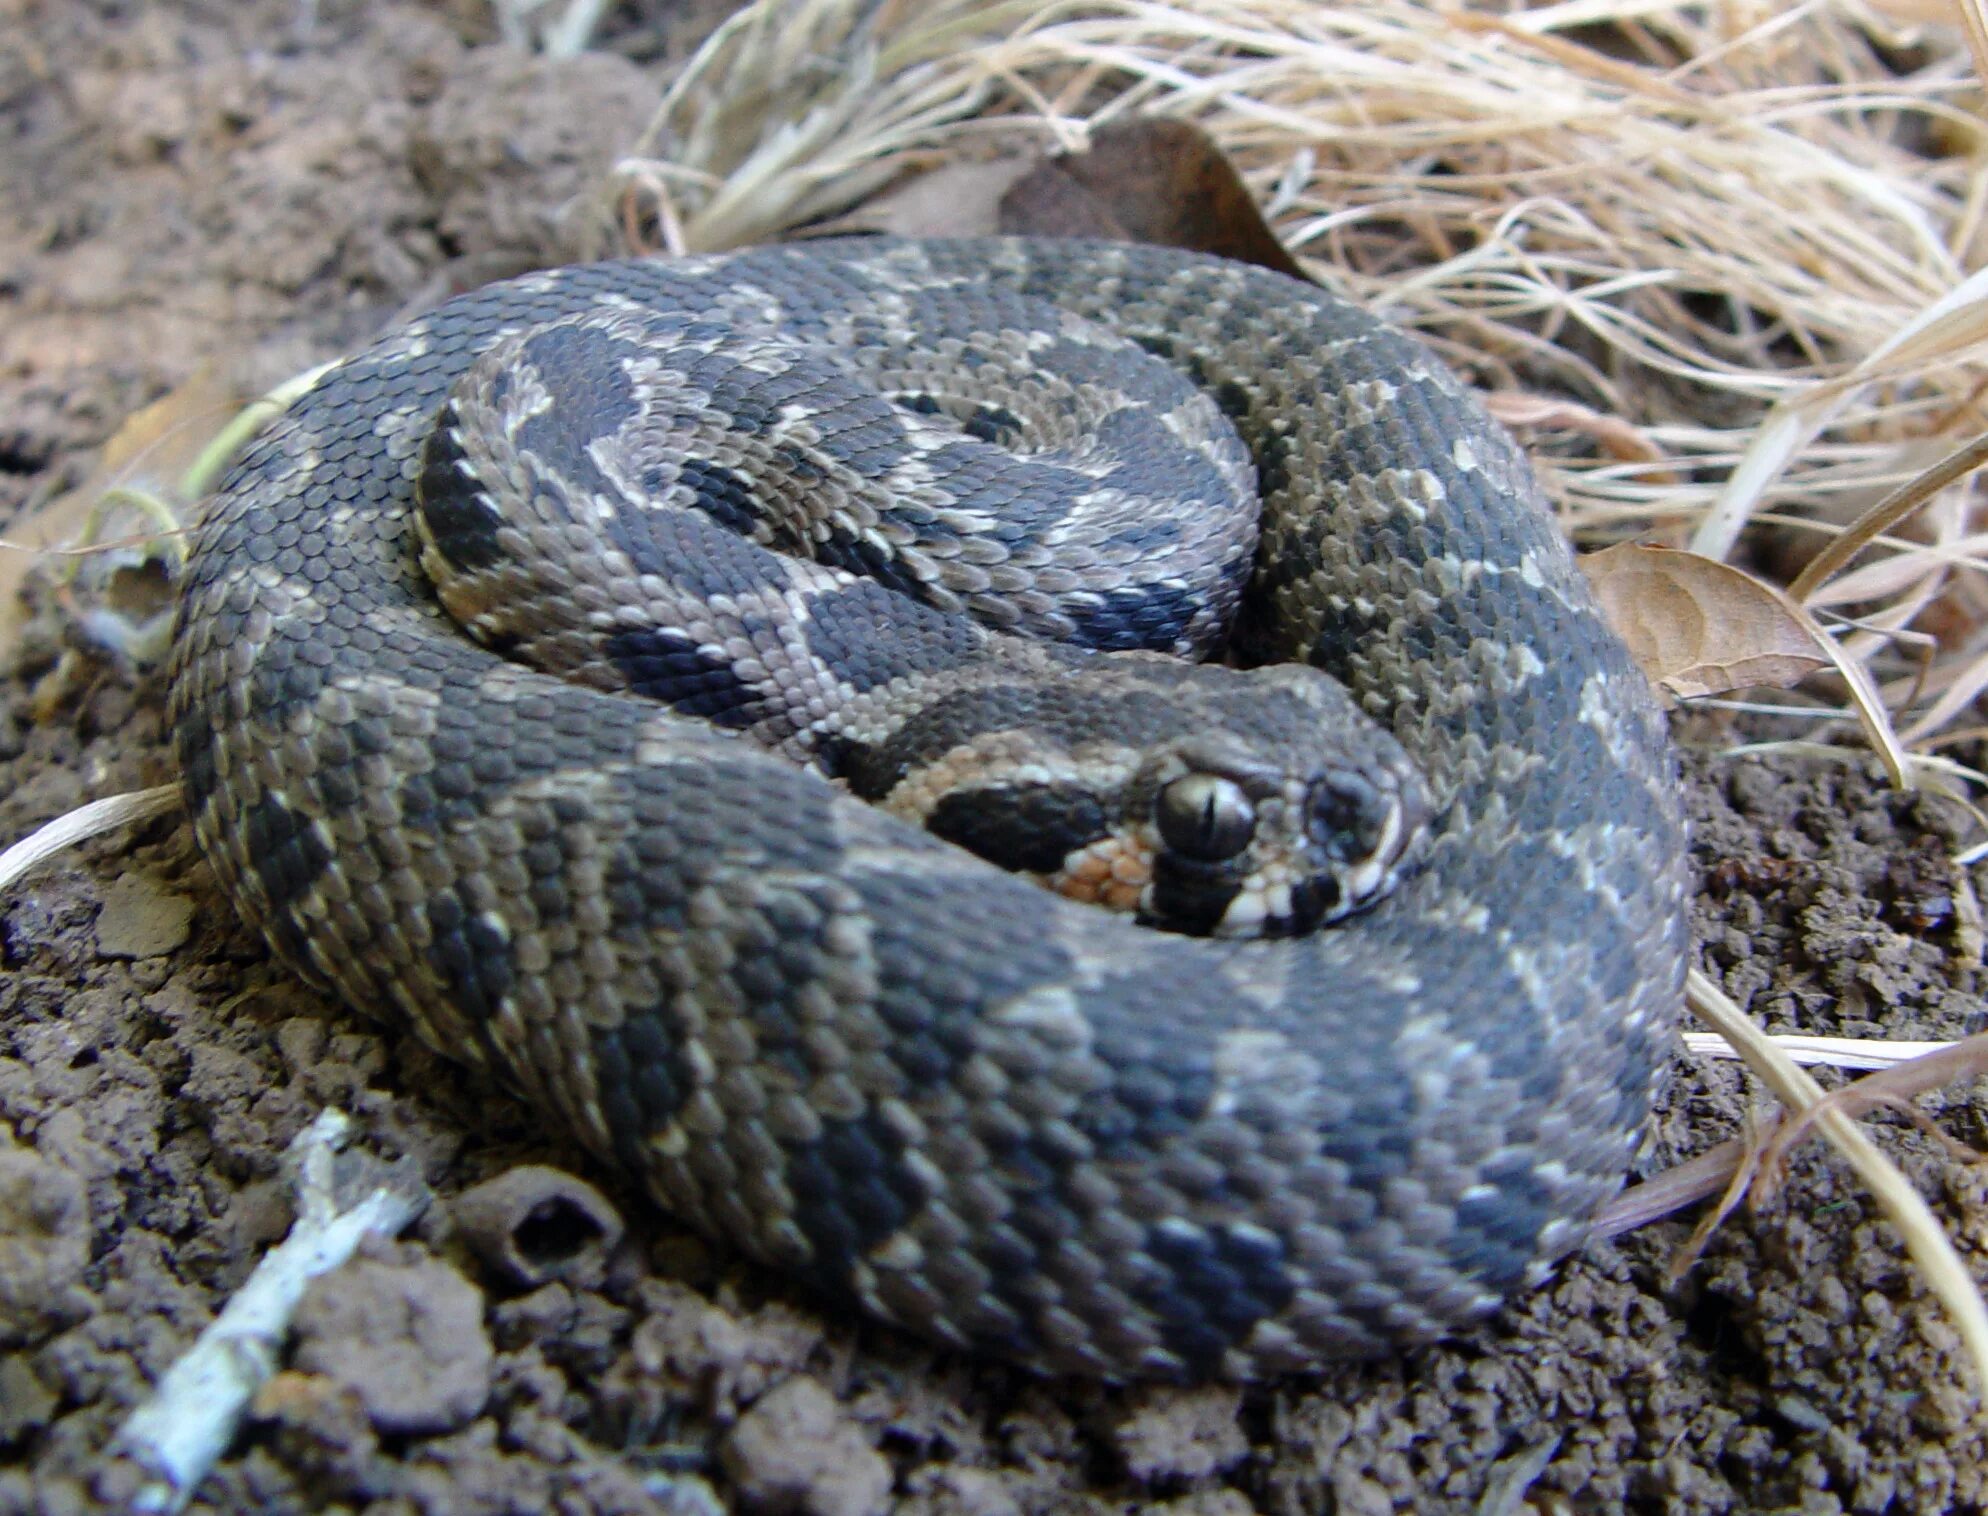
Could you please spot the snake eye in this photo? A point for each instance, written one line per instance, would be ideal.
(1206, 818)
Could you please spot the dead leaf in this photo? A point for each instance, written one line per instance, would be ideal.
(1699, 627)
(158, 444)
(147, 459)
(959, 200)
(1167, 182)
(1158, 181)
(1050, 201)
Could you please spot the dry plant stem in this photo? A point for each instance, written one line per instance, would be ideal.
(1893, 1088)
(178, 1434)
(1958, 319)
(1505, 1493)
(1924, 1238)
(565, 36)
(1974, 24)
(1864, 700)
(1785, 431)
(1967, 682)
(1665, 1194)
(1895, 507)
(1745, 1172)
(83, 823)
(1834, 1052)
(1904, 1069)
(1923, 764)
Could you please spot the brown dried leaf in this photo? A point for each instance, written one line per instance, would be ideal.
(1167, 182)
(1153, 181)
(149, 456)
(1050, 201)
(1027, 196)
(157, 445)
(1698, 627)
(959, 200)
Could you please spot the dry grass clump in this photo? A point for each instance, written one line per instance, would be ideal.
(1715, 258)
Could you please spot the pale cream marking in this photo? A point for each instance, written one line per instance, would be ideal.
(1051, 1012)
(1253, 1059)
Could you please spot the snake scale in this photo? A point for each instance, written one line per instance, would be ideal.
(1006, 1119)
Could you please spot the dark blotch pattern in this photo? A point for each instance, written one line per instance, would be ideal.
(994, 424)
(1499, 1232)
(642, 1077)
(780, 948)
(944, 981)
(289, 855)
(1032, 828)
(669, 667)
(852, 1190)
(470, 955)
(723, 494)
(587, 370)
(1209, 1286)
(460, 517)
(1122, 620)
(292, 674)
(871, 637)
(1162, 1075)
(857, 554)
(288, 858)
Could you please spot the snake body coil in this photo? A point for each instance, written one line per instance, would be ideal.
(1001, 1118)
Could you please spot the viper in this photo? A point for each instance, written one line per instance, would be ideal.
(1401, 926)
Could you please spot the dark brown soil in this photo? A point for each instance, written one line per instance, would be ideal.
(244, 185)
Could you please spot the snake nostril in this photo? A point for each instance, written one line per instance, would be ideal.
(1351, 817)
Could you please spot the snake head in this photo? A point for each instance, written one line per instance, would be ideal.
(1201, 799)
(1299, 813)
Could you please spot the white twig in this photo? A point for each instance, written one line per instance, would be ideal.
(83, 823)
(200, 1401)
(1833, 1052)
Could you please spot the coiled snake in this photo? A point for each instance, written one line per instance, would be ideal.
(1006, 1119)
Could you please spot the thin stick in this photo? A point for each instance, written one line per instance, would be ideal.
(191, 1418)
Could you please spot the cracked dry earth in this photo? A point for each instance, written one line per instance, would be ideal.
(214, 186)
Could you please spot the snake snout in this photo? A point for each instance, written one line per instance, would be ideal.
(1365, 827)
(1283, 808)
(1294, 857)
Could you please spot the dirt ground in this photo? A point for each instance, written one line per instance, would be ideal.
(258, 185)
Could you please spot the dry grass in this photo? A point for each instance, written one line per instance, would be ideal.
(1741, 233)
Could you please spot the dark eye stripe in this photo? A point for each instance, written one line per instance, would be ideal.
(1189, 900)
(1025, 828)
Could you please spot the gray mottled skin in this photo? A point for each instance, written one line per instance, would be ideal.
(619, 498)
(995, 1116)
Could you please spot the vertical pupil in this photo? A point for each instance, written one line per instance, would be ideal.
(1205, 818)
